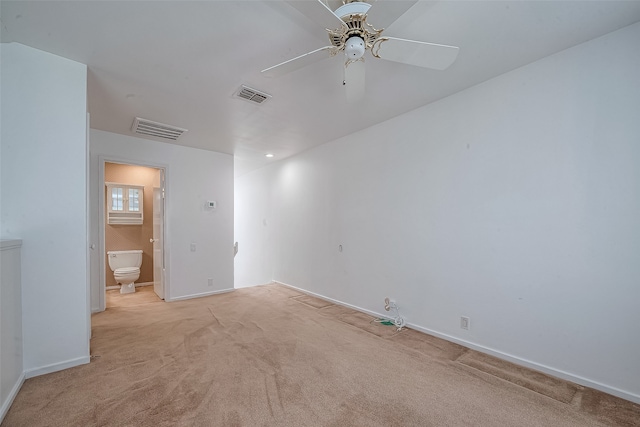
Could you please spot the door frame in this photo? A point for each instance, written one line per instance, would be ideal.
(158, 237)
(102, 159)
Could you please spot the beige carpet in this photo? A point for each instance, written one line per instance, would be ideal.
(270, 356)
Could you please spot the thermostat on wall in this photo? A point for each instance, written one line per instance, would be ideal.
(211, 204)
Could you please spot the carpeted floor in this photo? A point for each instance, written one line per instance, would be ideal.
(270, 356)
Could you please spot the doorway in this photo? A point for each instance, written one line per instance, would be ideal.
(132, 207)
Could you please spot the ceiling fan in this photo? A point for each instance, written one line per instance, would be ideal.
(351, 30)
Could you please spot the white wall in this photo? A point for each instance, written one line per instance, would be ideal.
(254, 261)
(193, 177)
(11, 355)
(44, 201)
(515, 202)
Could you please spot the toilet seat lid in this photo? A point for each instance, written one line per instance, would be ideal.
(127, 270)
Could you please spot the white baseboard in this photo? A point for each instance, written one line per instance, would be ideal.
(500, 355)
(137, 285)
(12, 395)
(533, 365)
(35, 372)
(335, 301)
(203, 294)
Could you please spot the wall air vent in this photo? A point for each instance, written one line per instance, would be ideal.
(159, 130)
(252, 95)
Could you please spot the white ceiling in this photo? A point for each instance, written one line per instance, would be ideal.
(181, 62)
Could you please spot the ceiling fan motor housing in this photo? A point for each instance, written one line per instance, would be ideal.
(354, 36)
(359, 35)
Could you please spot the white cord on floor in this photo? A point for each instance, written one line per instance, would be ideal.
(398, 320)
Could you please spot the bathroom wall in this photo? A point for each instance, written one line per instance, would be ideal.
(128, 237)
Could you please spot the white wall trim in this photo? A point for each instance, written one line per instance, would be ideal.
(137, 285)
(532, 365)
(90, 246)
(500, 355)
(10, 244)
(12, 395)
(55, 367)
(203, 294)
(355, 307)
(102, 300)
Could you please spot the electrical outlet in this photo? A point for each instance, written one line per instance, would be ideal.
(210, 281)
(389, 304)
(465, 322)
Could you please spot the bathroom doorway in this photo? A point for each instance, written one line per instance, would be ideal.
(133, 209)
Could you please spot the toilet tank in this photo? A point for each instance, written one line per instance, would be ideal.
(120, 259)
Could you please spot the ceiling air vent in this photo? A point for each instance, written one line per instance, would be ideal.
(252, 95)
(159, 130)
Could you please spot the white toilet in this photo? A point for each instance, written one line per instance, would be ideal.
(126, 268)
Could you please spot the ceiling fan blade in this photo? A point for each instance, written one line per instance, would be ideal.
(420, 54)
(384, 13)
(354, 80)
(298, 62)
(318, 12)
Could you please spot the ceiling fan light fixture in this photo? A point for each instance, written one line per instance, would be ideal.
(355, 35)
(354, 48)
